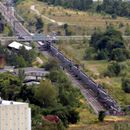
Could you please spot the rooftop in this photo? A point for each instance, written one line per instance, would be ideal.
(5, 102)
(17, 45)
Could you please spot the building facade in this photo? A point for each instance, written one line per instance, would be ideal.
(14, 116)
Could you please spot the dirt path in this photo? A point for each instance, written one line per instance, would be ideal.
(33, 8)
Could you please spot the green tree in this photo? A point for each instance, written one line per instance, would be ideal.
(21, 74)
(115, 69)
(1, 26)
(27, 93)
(46, 93)
(126, 85)
(73, 116)
(39, 24)
(109, 45)
(127, 30)
(9, 86)
(119, 54)
(75, 4)
(101, 116)
(20, 61)
(51, 64)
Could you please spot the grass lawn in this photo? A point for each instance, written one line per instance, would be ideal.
(79, 22)
(89, 121)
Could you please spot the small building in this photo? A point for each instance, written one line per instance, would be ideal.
(16, 45)
(51, 118)
(14, 115)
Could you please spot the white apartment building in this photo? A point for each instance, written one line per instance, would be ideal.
(14, 116)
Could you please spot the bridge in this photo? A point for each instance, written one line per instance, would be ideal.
(40, 37)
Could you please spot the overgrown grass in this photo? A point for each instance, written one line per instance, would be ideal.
(96, 68)
(79, 22)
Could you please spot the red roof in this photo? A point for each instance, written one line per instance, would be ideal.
(51, 118)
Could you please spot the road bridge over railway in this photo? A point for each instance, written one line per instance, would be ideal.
(46, 38)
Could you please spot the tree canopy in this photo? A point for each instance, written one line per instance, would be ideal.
(46, 93)
(109, 45)
(21, 58)
(126, 84)
(118, 7)
(75, 4)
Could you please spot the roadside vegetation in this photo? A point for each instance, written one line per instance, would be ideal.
(21, 58)
(79, 22)
(4, 27)
(113, 7)
(109, 45)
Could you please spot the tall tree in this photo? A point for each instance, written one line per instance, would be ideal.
(46, 93)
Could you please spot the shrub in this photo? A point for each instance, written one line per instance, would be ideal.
(101, 116)
(114, 16)
(115, 69)
(126, 85)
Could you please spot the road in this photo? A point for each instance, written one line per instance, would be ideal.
(29, 71)
(32, 71)
(8, 13)
(33, 8)
(31, 75)
(22, 31)
(57, 38)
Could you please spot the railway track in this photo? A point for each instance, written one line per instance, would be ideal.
(90, 97)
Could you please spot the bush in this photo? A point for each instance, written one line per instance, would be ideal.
(102, 55)
(52, 63)
(119, 54)
(109, 45)
(101, 116)
(90, 53)
(114, 16)
(115, 69)
(73, 116)
(126, 85)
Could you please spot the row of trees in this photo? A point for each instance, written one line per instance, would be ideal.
(115, 7)
(21, 58)
(35, 25)
(4, 28)
(1, 24)
(107, 45)
(116, 69)
(75, 4)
